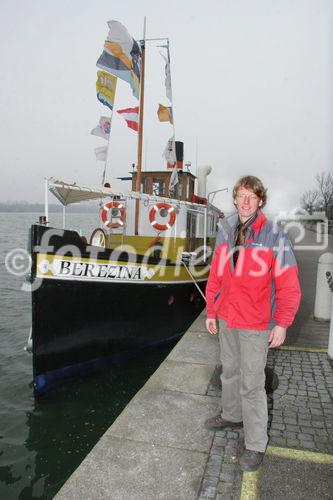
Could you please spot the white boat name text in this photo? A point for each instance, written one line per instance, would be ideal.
(72, 269)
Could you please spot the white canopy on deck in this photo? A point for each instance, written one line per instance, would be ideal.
(68, 192)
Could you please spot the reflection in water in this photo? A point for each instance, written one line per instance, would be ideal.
(65, 425)
(6, 474)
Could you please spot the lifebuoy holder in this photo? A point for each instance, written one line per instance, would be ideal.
(110, 206)
(154, 211)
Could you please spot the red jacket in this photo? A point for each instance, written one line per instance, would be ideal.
(263, 289)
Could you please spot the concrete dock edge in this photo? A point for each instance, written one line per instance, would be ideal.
(158, 446)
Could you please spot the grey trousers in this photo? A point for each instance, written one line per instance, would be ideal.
(243, 357)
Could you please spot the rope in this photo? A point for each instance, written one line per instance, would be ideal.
(196, 284)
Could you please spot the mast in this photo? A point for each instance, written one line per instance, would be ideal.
(140, 137)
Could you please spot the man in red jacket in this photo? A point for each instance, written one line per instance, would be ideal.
(252, 294)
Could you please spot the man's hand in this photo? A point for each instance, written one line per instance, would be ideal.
(211, 326)
(277, 336)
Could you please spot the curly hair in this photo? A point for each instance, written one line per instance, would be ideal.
(253, 183)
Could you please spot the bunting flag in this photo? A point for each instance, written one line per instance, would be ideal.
(106, 88)
(103, 128)
(121, 56)
(131, 115)
(101, 153)
(168, 90)
(169, 152)
(164, 113)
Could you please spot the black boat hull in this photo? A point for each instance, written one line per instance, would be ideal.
(79, 326)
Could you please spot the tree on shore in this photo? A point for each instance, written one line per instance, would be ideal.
(325, 188)
(309, 200)
(320, 198)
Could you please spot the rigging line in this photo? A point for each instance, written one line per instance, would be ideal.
(192, 277)
(171, 100)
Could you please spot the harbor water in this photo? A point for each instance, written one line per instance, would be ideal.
(43, 441)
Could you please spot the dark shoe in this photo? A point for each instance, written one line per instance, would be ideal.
(250, 460)
(219, 424)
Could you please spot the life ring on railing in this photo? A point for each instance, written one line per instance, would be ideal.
(152, 216)
(109, 206)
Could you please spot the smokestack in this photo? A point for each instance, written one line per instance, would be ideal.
(203, 172)
(179, 155)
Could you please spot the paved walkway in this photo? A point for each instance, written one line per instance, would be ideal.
(299, 458)
(158, 447)
(301, 436)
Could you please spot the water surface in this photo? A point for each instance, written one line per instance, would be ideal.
(43, 441)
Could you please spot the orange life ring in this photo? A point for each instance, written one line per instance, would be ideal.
(152, 216)
(110, 206)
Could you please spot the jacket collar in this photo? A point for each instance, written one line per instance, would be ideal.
(229, 224)
(249, 221)
(259, 222)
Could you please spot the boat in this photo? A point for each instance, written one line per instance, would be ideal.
(136, 281)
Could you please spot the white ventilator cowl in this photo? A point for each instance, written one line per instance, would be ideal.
(203, 172)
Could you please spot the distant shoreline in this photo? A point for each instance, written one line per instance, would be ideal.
(39, 208)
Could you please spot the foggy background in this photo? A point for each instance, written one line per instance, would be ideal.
(252, 92)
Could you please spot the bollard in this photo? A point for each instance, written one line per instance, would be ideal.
(330, 338)
(323, 300)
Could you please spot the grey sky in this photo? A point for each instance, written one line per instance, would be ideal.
(252, 85)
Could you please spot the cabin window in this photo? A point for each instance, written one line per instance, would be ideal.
(187, 188)
(179, 191)
(191, 225)
(144, 184)
(158, 187)
(212, 224)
